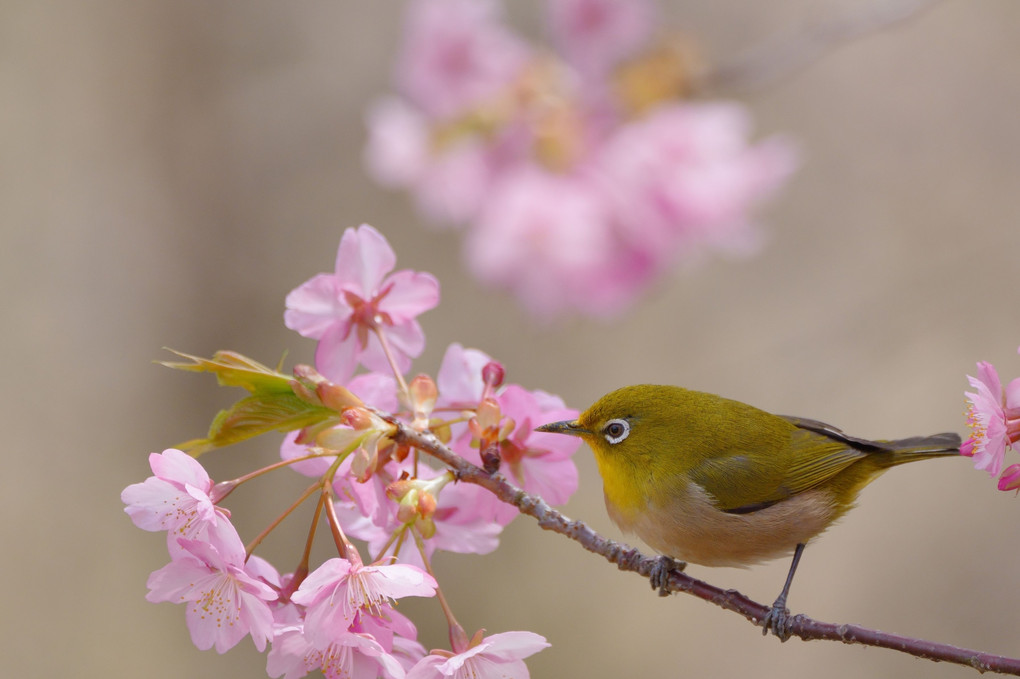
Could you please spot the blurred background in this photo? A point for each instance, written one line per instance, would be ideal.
(170, 170)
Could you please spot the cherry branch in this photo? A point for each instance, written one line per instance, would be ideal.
(629, 559)
(784, 55)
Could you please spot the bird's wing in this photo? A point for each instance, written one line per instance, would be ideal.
(744, 481)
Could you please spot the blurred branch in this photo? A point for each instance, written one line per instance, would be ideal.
(786, 54)
(630, 559)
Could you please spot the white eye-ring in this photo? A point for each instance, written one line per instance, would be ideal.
(616, 430)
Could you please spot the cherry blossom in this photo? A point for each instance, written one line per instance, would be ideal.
(346, 309)
(994, 418)
(349, 656)
(224, 601)
(335, 591)
(499, 656)
(177, 499)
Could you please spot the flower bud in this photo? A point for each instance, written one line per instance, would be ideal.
(363, 463)
(336, 397)
(359, 419)
(423, 393)
(220, 491)
(486, 418)
(493, 374)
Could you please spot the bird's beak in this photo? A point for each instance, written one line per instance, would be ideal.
(570, 427)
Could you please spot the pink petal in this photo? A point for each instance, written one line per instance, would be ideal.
(460, 376)
(290, 450)
(152, 504)
(455, 185)
(336, 356)
(399, 580)
(406, 341)
(398, 145)
(321, 582)
(990, 377)
(1010, 479)
(515, 645)
(315, 306)
(380, 390)
(363, 260)
(176, 466)
(1013, 394)
(410, 294)
(455, 54)
(596, 34)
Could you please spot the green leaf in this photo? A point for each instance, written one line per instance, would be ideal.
(256, 415)
(236, 370)
(278, 402)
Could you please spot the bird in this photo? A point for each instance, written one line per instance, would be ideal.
(712, 481)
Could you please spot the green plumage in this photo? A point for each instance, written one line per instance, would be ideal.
(744, 457)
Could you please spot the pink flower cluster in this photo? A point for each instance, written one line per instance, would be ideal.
(993, 415)
(580, 172)
(339, 618)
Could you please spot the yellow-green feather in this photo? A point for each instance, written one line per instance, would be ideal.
(742, 456)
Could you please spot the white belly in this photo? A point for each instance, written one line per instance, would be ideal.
(692, 529)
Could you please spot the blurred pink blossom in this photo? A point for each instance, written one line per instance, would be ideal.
(594, 35)
(548, 238)
(344, 309)
(685, 176)
(577, 192)
(456, 54)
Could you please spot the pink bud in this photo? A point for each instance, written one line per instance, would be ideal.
(1010, 479)
(426, 505)
(493, 374)
(399, 488)
(423, 394)
(358, 418)
(337, 397)
(221, 490)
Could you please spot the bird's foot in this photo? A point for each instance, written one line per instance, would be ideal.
(778, 620)
(664, 566)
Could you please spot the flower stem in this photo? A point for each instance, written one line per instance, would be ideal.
(343, 546)
(458, 637)
(301, 572)
(287, 512)
(401, 384)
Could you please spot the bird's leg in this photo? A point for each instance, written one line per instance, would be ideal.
(778, 618)
(659, 577)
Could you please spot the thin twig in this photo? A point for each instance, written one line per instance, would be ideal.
(786, 54)
(630, 559)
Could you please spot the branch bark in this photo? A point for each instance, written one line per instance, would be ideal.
(630, 559)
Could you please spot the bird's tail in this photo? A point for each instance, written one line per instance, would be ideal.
(921, 447)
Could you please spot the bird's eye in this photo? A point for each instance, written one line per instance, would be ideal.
(616, 430)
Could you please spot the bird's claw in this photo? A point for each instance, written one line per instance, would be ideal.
(664, 566)
(778, 620)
